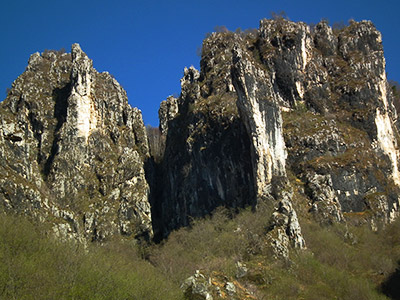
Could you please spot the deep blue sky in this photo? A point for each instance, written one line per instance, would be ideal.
(146, 44)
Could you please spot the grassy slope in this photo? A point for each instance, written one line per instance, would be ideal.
(340, 263)
(33, 266)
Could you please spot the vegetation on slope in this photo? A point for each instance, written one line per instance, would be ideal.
(341, 262)
(35, 266)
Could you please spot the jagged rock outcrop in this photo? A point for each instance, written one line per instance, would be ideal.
(73, 150)
(167, 112)
(285, 48)
(342, 143)
(199, 170)
(215, 286)
(282, 103)
(284, 231)
(309, 102)
(260, 112)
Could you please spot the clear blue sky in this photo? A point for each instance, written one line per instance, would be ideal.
(146, 44)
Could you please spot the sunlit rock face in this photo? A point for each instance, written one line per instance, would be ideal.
(225, 144)
(261, 114)
(341, 140)
(81, 102)
(73, 150)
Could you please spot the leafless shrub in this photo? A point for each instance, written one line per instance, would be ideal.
(396, 94)
(220, 28)
(279, 15)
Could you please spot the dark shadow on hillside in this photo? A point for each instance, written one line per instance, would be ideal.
(391, 287)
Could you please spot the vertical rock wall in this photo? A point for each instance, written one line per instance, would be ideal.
(206, 163)
(261, 115)
(312, 102)
(74, 150)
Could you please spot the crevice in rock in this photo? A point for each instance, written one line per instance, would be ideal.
(60, 96)
(37, 128)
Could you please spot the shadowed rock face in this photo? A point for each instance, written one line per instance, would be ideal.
(206, 163)
(73, 150)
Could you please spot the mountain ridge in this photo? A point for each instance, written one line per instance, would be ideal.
(296, 118)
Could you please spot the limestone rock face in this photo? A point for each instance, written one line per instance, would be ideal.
(199, 170)
(214, 286)
(284, 231)
(259, 110)
(273, 113)
(325, 202)
(287, 101)
(286, 49)
(167, 112)
(73, 150)
(225, 144)
(342, 141)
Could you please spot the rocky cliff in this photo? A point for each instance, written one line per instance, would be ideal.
(281, 108)
(298, 117)
(73, 150)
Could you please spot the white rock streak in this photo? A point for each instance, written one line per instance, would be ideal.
(86, 116)
(385, 136)
(81, 98)
(263, 120)
(304, 55)
(387, 142)
(300, 89)
(382, 89)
